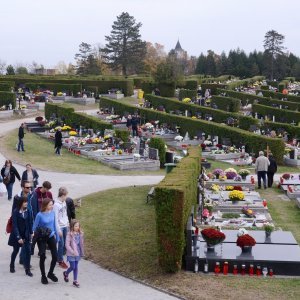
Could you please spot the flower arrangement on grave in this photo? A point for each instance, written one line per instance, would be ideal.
(148, 126)
(269, 228)
(178, 138)
(89, 141)
(222, 177)
(39, 118)
(212, 236)
(203, 146)
(217, 151)
(237, 188)
(229, 188)
(244, 239)
(215, 188)
(220, 146)
(60, 94)
(65, 128)
(72, 133)
(205, 213)
(286, 176)
(108, 136)
(217, 172)
(211, 176)
(186, 100)
(243, 172)
(50, 124)
(230, 173)
(287, 151)
(209, 206)
(194, 117)
(112, 117)
(120, 152)
(236, 195)
(207, 143)
(238, 178)
(248, 212)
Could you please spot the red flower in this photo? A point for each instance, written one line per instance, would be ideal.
(213, 236)
(237, 188)
(245, 240)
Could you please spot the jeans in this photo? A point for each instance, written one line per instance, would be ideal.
(73, 267)
(26, 257)
(57, 150)
(51, 242)
(261, 175)
(61, 244)
(9, 188)
(20, 145)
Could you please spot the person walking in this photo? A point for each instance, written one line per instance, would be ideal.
(21, 235)
(135, 124)
(58, 141)
(47, 232)
(261, 167)
(31, 175)
(75, 250)
(71, 211)
(21, 134)
(61, 214)
(272, 169)
(9, 174)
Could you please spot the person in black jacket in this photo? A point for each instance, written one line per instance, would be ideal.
(31, 175)
(58, 141)
(9, 174)
(272, 169)
(21, 137)
(70, 209)
(21, 235)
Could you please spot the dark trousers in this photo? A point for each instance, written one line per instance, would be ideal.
(134, 131)
(20, 145)
(25, 255)
(51, 242)
(261, 175)
(270, 178)
(57, 150)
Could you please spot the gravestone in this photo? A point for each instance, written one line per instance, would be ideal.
(153, 153)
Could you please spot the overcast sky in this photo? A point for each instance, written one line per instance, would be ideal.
(49, 31)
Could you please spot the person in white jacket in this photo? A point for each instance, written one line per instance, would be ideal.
(261, 167)
(60, 209)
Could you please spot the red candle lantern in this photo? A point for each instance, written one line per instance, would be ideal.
(264, 203)
(258, 271)
(235, 270)
(251, 270)
(217, 268)
(225, 268)
(243, 271)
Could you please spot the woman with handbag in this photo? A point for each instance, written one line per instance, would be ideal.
(47, 232)
(9, 174)
(21, 235)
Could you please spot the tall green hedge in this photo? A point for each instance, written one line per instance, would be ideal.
(184, 93)
(218, 115)
(160, 145)
(166, 89)
(74, 118)
(281, 115)
(174, 197)
(226, 103)
(253, 142)
(55, 87)
(293, 131)
(5, 86)
(280, 96)
(7, 98)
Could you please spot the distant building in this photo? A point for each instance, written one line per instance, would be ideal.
(43, 71)
(180, 53)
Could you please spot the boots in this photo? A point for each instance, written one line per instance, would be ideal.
(28, 273)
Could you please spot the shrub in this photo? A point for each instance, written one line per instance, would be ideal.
(55, 87)
(160, 145)
(226, 103)
(191, 84)
(212, 86)
(166, 89)
(280, 96)
(183, 93)
(5, 87)
(122, 134)
(7, 98)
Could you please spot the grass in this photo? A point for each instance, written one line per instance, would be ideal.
(119, 222)
(40, 153)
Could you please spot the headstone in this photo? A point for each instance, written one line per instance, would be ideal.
(153, 153)
(186, 137)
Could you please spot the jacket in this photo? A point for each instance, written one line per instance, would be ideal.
(60, 209)
(21, 132)
(273, 165)
(21, 229)
(70, 209)
(261, 164)
(35, 177)
(17, 198)
(58, 139)
(13, 174)
(71, 247)
(34, 203)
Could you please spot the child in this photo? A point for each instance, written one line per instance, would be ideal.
(75, 250)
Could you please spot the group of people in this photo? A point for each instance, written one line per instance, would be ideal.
(37, 218)
(265, 167)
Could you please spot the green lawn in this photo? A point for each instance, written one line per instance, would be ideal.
(40, 153)
(120, 235)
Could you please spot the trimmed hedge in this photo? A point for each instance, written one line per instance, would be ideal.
(293, 131)
(5, 86)
(160, 145)
(55, 87)
(212, 86)
(7, 98)
(281, 115)
(184, 93)
(166, 89)
(253, 142)
(75, 119)
(191, 84)
(219, 116)
(226, 103)
(280, 96)
(174, 197)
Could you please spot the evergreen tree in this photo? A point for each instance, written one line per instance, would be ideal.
(201, 65)
(21, 70)
(10, 70)
(124, 49)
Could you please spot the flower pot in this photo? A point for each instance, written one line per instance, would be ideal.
(235, 202)
(247, 249)
(210, 248)
(268, 234)
(217, 176)
(244, 177)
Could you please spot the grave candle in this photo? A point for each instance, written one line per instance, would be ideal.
(243, 271)
(225, 268)
(217, 268)
(235, 270)
(251, 270)
(258, 270)
(271, 272)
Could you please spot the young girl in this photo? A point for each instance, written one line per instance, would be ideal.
(75, 250)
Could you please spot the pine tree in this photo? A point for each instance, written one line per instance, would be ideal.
(124, 49)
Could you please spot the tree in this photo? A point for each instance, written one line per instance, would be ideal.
(21, 70)
(61, 68)
(155, 55)
(124, 49)
(10, 70)
(273, 45)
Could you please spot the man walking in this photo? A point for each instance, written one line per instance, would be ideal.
(21, 137)
(261, 167)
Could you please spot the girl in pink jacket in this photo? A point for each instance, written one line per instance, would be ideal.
(74, 250)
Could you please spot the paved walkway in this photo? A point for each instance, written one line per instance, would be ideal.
(96, 283)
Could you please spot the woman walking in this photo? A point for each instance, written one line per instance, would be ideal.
(47, 232)
(58, 141)
(30, 175)
(21, 235)
(9, 174)
(75, 250)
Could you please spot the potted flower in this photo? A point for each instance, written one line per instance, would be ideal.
(212, 237)
(237, 188)
(209, 206)
(269, 228)
(248, 212)
(220, 146)
(215, 188)
(217, 172)
(230, 173)
(244, 173)
(222, 177)
(236, 196)
(245, 241)
(203, 146)
(229, 188)
(286, 176)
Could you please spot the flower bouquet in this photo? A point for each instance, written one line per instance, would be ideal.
(217, 172)
(238, 178)
(244, 173)
(72, 133)
(229, 188)
(230, 173)
(222, 177)
(245, 240)
(248, 212)
(236, 196)
(269, 228)
(286, 176)
(220, 146)
(215, 188)
(212, 236)
(209, 206)
(237, 188)
(211, 176)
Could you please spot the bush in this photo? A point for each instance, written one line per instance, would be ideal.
(174, 197)
(212, 86)
(55, 87)
(166, 89)
(191, 84)
(122, 134)
(7, 98)
(5, 87)
(148, 87)
(280, 96)
(160, 145)
(293, 131)
(226, 103)
(183, 93)
(254, 143)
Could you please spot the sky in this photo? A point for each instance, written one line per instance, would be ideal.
(50, 31)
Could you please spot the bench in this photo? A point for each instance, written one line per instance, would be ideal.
(150, 194)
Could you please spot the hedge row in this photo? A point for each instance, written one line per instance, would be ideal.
(75, 119)
(219, 116)
(160, 145)
(5, 87)
(174, 197)
(55, 87)
(226, 103)
(212, 86)
(250, 98)
(7, 98)
(253, 142)
(293, 131)
(102, 85)
(184, 93)
(281, 115)
(276, 95)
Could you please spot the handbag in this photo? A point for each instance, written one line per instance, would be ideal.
(6, 179)
(9, 225)
(42, 233)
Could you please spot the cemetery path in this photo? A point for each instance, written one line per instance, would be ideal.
(96, 283)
